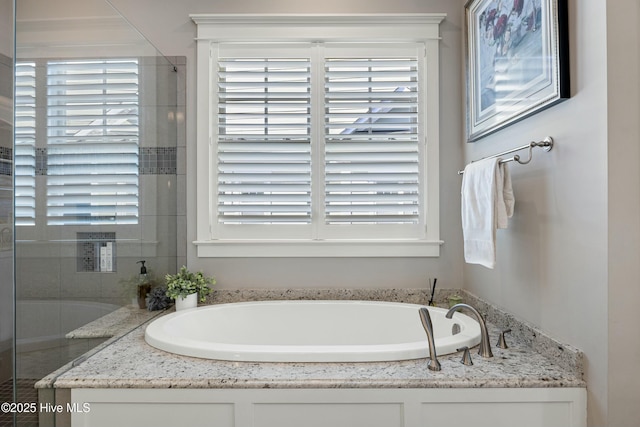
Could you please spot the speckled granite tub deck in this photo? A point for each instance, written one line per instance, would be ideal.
(126, 361)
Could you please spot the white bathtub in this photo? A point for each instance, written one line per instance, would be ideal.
(309, 331)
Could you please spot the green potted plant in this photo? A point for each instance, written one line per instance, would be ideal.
(187, 288)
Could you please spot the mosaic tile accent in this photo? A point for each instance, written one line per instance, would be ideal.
(6, 153)
(41, 161)
(151, 161)
(6, 161)
(88, 255)
(157, 161)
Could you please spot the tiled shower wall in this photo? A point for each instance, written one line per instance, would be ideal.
(51, 261)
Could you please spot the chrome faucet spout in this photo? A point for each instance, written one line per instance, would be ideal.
(485, 346)
(433, 364)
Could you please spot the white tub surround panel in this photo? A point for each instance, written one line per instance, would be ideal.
(337, 408)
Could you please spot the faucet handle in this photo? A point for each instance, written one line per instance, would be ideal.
(466, 356)
(425, 318)
(502, 343)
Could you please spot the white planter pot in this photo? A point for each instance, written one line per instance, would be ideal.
(190, 301)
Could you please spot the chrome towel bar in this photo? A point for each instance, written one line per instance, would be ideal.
(546, 144)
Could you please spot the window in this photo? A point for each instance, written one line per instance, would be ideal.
(264, 140)
(360, 125)
(92, 142)
(371, 139)
(92, 137)
(317, 148)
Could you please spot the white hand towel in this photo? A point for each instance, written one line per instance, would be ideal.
(487, 204)
(506, 201)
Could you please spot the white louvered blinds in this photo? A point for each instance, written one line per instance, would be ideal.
(326, 139)
(264, 140)
(372, 171)
(92, 140)
(25, 145)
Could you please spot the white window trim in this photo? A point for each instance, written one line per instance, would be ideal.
(215, 28)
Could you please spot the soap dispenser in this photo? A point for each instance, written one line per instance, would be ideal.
(144, 286)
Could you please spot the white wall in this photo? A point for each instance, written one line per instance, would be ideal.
(623, 57)
(556, 267)
(569, 262)
(172, 32)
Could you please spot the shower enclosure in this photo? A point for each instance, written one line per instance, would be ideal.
(6, 207)
(99, 132)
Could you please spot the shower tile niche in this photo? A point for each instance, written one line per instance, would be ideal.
(96, 252)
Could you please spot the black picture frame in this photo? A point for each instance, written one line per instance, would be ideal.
(517, 61)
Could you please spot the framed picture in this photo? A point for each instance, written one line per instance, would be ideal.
(517, 61)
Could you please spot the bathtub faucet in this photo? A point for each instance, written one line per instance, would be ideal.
(433, 364)
(485, 345)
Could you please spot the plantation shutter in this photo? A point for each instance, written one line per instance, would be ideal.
(25, 145)
(264, 140)
(92, 140)
(372, 169)
(327, 137)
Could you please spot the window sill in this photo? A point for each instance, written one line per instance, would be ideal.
(317, 248)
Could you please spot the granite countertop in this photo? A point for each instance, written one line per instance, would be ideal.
(113, 324)
(131, 363)
(127, 361)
